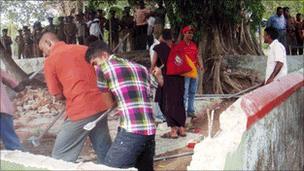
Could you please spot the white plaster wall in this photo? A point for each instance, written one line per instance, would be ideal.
(276, 142)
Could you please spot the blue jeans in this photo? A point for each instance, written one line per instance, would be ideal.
(8, 134)
(190, 90)
(159, 117)
(71, 138)
(131, 150)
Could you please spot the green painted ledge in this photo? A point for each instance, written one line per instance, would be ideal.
(6, 165)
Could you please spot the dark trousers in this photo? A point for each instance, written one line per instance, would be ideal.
(131, 150)
(141, 37)
(300, 45)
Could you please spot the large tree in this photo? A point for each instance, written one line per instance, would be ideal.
(224, 28)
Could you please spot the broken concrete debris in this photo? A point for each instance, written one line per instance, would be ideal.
(37, 100)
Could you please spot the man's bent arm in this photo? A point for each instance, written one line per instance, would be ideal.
(275, 72)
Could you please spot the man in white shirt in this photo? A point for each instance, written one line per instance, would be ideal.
(276, 61)
(94, 27)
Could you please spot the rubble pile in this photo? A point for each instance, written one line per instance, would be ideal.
(35, 109)
(37, 100)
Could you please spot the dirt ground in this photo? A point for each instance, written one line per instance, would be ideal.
(198, 125)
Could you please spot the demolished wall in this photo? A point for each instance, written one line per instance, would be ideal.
(262, 130)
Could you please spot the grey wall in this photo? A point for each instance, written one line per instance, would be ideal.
(258, 63)
(275, 142)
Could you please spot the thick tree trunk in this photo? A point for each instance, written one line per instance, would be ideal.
(220, 40)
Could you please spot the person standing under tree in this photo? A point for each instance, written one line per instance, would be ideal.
(94, 26)
(28, 42)
(276, 61)
(60, 29)
(170, 96)
(141, 27)
(20, 43)
(279, 22)
(102, 20)
(37, 33)
(113, 26)
(70, 30)
(6, 43)
(188, 48)
(160, 15)
(127, 26)
(51, 27)
(82, 31)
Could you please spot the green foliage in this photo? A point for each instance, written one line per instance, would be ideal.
(295, 6)
(23, 12)
(207, 13)
(257, 9)
(6, 165)
(107, 5)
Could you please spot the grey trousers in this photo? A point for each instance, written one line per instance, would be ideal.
(71, 138)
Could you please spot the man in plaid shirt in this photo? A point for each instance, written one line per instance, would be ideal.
(131, 85)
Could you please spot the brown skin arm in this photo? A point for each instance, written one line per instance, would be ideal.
(199, 65)
(158, 74)
(153, 62)
(275, 72)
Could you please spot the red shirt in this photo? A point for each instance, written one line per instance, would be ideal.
(67, 72)
(190, 50)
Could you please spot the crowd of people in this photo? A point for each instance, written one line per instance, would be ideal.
(91, 25)
(290, 28)
(97, 80)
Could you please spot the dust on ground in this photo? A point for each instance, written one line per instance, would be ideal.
(35, 105)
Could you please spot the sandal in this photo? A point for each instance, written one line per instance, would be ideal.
(169, 136)
(181, 133)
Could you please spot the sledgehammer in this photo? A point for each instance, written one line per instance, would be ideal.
(36, 140)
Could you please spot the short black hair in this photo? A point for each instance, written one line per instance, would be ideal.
(166, 34)
(279, 8)
(96, 48)
(298, 14)
(286, 9)
(272, 32)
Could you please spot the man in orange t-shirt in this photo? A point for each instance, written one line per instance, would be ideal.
(69, 77)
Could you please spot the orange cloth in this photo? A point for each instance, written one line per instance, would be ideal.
(67, 72)
(193, 72)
